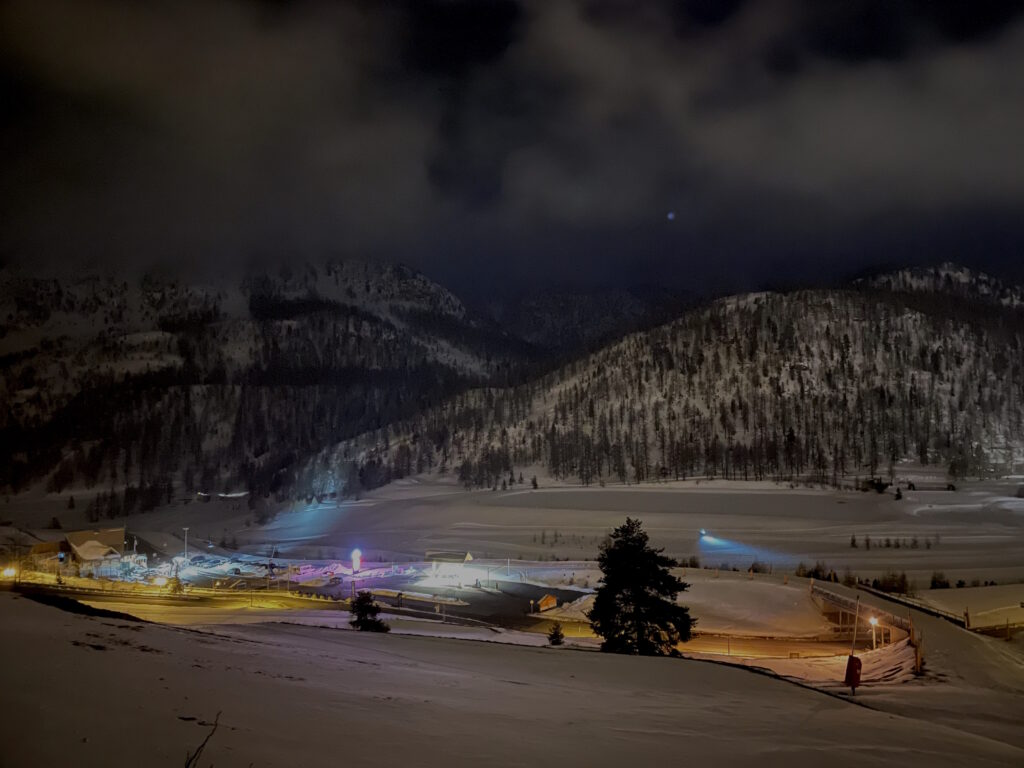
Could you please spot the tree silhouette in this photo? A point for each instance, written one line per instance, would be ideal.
(556, 636)
(635, 609)
(364, 614)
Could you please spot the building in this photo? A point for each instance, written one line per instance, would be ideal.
(546, 603)
(96, 553)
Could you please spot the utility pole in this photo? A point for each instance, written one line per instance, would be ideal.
(185, 529)
(856, 618)
(270, 563)
(853, 664)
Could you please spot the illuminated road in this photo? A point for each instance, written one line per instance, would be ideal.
(223, 613)
(764, 648)
(746, 647)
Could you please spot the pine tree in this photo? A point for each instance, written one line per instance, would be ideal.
(556, 636)
(635, 607)
(364, 614)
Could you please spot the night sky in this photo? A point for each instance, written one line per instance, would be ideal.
(703, 144)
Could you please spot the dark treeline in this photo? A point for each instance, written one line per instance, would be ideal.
(817, 386)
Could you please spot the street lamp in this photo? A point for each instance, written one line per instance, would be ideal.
(185, 529)
(874, 623)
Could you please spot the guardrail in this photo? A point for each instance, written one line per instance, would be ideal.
(850, 605)
(1005, 629)
(917, 605)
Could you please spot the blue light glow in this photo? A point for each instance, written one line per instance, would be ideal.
(716, 551)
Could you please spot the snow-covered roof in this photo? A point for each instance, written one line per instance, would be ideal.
(94, 550)
(96, 545)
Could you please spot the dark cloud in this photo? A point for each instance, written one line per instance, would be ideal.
(861, 30)
(455, 37)
(707, 12)
(494, 142)
(858, 30)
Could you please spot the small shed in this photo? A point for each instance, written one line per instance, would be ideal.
(546, 603)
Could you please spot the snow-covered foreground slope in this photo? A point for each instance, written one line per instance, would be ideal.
(85, 689)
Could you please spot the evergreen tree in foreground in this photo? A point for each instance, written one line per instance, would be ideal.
(635, 608)
(556, 636)
(364, 614)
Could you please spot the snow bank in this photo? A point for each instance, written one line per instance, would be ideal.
(889, 665)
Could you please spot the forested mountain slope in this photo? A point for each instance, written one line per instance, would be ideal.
(821, 384)
(109, 382)
(345, 376)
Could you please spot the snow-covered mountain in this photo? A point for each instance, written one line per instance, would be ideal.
(131, 380)
(344, 376)
(949, 280)
(822, 384)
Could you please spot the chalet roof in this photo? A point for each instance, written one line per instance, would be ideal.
(96, 545)
(94, 550)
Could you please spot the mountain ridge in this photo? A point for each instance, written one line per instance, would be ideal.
(820, 384)
(340, 377)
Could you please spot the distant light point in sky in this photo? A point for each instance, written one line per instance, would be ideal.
(671, 216)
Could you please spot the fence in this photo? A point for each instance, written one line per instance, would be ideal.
(849, 605)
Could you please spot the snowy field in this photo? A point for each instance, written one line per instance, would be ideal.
(976, 532)
(551, 536)
(97, 687)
